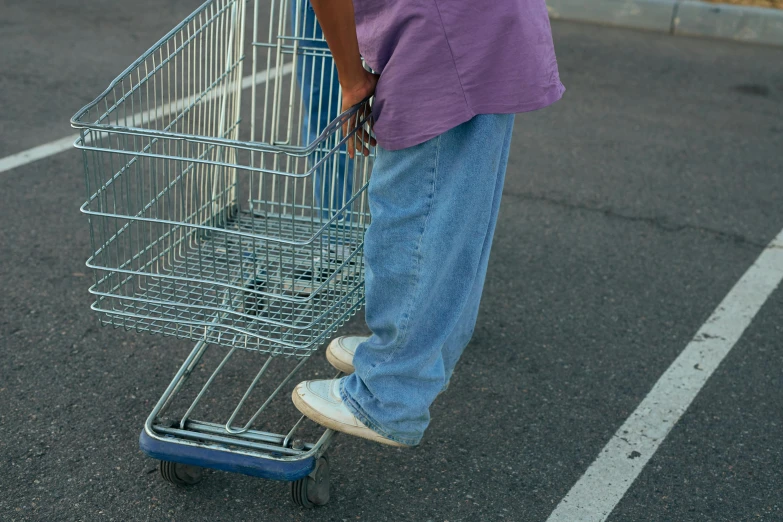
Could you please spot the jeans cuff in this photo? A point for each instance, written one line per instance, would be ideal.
(354, 407)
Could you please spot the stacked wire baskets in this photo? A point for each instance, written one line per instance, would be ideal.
(219, 218)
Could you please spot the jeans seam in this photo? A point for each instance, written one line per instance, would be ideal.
(409, 305)
(478, 264)
(509, 129)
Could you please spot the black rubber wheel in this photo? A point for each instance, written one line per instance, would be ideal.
(180, 474)
(313, 490)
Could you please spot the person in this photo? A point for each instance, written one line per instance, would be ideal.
(320, 89)
(452, 74)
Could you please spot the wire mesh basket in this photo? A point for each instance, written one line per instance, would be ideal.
(215, 219)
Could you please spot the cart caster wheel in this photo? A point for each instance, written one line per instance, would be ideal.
(313, 490)
(180, 474)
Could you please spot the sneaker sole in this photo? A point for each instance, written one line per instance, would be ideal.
(327, 422)
(337, 363)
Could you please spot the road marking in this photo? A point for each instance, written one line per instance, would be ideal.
(54, 147)
(36, 153)
(607, 479)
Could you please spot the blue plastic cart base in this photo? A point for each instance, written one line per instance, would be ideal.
(173, 451)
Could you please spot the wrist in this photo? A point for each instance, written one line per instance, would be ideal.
(354, 78)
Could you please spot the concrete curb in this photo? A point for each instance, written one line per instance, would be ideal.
(735, 22)
(656, 15)
(685, 17)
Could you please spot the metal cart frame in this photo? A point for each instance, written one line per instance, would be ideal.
(245, 237)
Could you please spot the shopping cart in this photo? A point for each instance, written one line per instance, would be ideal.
(236, 224)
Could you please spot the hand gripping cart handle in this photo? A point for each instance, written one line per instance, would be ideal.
(236, 223)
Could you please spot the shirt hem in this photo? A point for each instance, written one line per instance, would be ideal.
(552, 95)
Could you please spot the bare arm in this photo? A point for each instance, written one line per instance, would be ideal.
(337, 21)
(339, 27)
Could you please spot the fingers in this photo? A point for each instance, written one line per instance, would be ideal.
(349, 143)
(363, 133)
(365, 137)
(358, 142)
(361, 139)
(351, 147)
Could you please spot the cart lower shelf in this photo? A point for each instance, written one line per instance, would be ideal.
(272, 467)
(176, 434)
(183, 465)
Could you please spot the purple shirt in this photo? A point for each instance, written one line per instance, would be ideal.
(444, 61)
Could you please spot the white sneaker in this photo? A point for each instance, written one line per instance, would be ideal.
(321, 402)
(341, 350)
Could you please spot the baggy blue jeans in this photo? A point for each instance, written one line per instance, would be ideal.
(434, 207)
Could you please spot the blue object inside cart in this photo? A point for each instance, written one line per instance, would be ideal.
(269, 469)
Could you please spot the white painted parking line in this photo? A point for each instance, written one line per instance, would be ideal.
(36, 153)
(608, 478)
(54, 147)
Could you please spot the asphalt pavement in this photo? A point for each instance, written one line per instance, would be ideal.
(631, 208)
